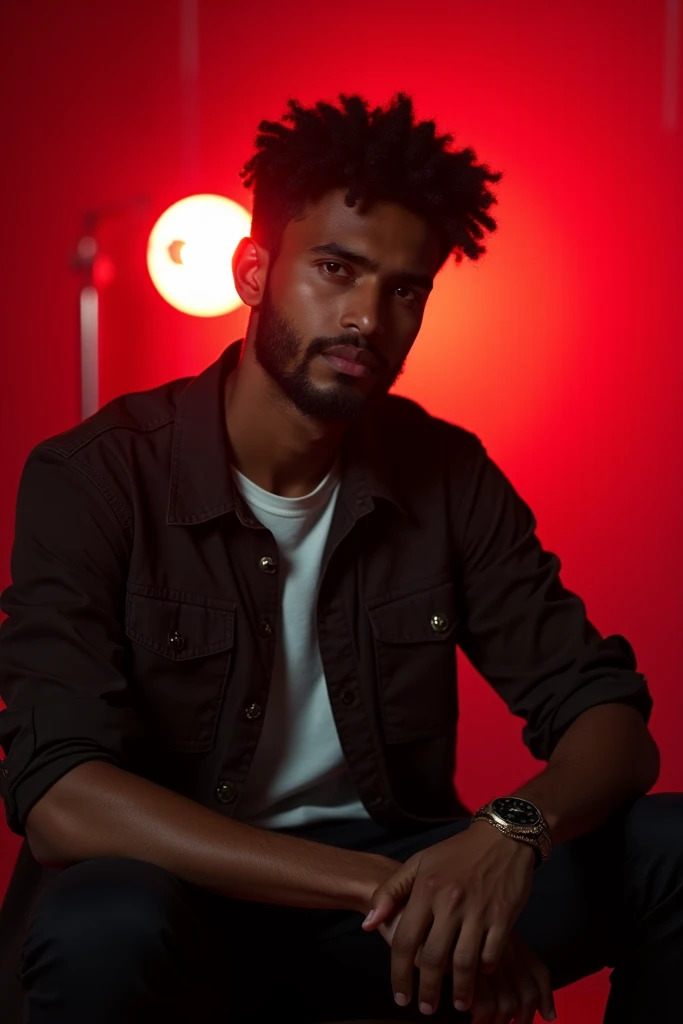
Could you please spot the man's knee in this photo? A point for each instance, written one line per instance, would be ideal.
(101, 904)
(653, 865)
(654, 827)
(110, 937)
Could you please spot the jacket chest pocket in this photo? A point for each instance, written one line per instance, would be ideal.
(180, 658)
(414, 639)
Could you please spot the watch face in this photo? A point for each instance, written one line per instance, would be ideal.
(516, 811)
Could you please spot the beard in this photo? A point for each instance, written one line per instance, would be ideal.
(278, 346)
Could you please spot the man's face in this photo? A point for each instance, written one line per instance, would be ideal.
(344, 303)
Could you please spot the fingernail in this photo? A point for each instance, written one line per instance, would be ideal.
(400, 999)
(426, 1008)
(369, 918)
(461, 1005)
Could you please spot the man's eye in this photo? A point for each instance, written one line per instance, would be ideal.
(331, 268)
(404, 288)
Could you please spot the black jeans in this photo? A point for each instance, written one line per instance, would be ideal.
(115, 940)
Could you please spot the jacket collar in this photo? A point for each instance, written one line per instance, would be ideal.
(201, 485)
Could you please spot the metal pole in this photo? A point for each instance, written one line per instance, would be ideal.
(188, 32)
(670, 65)
(86, 254)
(89, 310)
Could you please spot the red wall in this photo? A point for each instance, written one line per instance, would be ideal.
(562, 349)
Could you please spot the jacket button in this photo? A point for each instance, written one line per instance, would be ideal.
(4, 772)
(253, 711)
(347, 697)
(225, 791)
(439, 623)
(176, 640)
(268, 564)
(265, 628)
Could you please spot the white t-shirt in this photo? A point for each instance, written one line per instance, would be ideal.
(298, 774)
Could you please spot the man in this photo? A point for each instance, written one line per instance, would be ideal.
(229, 660)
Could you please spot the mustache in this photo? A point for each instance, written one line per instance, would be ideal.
(320, 345)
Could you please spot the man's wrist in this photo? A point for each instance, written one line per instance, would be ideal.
(514, 847)
(374, 870)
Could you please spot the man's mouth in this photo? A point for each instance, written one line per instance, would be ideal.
(356, 362)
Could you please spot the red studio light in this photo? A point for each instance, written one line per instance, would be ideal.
(190, 250)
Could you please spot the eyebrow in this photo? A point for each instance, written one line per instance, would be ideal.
(409, 276)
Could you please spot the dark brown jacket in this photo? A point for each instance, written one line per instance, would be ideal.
(142, 620)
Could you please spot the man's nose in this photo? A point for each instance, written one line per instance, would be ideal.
(364, 312)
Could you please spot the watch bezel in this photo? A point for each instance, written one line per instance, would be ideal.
(538, 823)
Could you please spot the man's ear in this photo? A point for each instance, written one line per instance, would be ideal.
(250, 270)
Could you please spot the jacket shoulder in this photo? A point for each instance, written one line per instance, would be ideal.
(404, 417)
(137, 412)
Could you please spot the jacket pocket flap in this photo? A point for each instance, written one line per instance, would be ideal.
(427, 616)
(178, 625)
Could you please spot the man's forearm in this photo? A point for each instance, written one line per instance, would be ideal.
(605, 758)
(99, 810)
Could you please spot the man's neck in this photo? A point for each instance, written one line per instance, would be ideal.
(271, 442)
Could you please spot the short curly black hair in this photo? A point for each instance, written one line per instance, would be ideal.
(374, 154)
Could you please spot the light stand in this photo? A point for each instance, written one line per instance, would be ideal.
(88, 315)
(91, 264)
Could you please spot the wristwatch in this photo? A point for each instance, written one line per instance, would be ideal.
(518, 819)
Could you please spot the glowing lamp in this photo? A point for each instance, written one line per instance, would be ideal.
(189, 253)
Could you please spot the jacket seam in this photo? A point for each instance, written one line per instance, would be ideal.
(460, 513)
(107, 493)
(67, 451)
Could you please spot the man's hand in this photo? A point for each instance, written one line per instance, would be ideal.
(518, 987)
(463, 898)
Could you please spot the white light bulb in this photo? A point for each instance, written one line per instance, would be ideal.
(195, 276)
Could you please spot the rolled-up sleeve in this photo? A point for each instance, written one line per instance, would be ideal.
(526, 634)
(61, 645)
